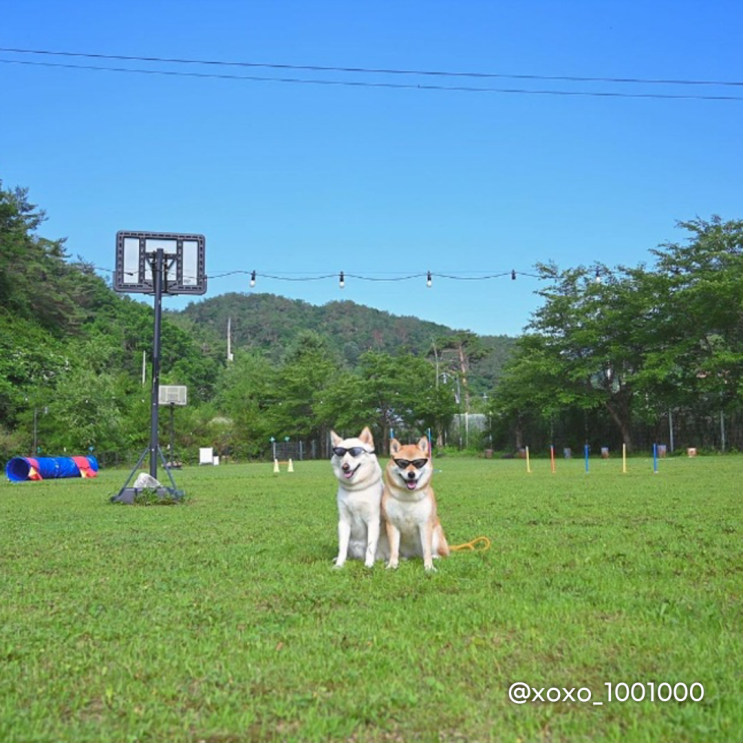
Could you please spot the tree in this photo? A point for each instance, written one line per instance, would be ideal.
(245, 393)
(639, 341)
(390, 393)
(594, 330)
(702, 303)
(31, 358)
(457, 353)
(531, 388)
(82, 413)
(35, 281)
(310, 368)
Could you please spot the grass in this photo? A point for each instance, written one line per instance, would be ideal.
(222, 620)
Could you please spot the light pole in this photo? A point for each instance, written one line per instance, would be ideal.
(490, 421)
(34, 451)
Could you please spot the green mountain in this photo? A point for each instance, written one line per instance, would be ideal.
(271, 323)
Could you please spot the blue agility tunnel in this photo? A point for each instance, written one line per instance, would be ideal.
(19, 469)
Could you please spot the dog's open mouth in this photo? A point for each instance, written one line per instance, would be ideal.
(348, 474)
(411, 484)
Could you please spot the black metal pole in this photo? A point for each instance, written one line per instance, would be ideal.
(157, 271)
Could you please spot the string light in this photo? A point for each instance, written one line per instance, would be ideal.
(342, 275)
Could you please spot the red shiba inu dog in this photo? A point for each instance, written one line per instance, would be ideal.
(409, 506)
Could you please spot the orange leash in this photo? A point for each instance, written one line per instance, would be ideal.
(471, 546)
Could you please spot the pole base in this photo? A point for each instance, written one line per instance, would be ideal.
(129, 496)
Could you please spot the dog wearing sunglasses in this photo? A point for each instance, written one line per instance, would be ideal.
(409, 506)
(361, 535)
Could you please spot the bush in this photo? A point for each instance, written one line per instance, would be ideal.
(12, 444)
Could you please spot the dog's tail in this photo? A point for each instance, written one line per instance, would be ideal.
(472, 546)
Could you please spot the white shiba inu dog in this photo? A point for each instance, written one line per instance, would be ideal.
(409, 506)
(361, 535)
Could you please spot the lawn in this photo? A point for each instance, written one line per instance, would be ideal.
(222, 620)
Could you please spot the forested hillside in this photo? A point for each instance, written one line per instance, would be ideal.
(72, 353)
(268, 322)
(271, 324)
(614, 356)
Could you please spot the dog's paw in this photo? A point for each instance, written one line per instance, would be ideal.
(391, 566)
(430, 568)
(338, 563)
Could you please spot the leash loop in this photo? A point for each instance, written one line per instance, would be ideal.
(472, 546)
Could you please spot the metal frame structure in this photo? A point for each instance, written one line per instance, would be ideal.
(158, 263)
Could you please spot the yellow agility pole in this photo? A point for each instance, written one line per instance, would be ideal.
(528, 466)
(624, 459)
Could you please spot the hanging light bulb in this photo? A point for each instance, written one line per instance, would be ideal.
(342, 281)
(513, 275)
(252, 279)
(597, 278)
(429, 280)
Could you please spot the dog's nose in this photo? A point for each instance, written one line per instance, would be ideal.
(346, 466)
(411, 475)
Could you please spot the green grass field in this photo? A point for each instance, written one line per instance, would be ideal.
(222, 620)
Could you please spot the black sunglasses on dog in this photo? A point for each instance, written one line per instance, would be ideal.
(403, 464)
(354, 451)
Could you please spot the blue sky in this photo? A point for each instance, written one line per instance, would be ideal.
(306, 179)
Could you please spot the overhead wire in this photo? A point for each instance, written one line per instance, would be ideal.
(377, 84)
(375, 70)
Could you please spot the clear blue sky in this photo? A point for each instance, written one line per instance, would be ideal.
(301, 179)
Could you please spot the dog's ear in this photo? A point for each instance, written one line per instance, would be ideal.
(423, 445)
(395, 446)
(366, 437)
(335, 438)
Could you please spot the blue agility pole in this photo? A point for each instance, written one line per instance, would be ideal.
(585, 449)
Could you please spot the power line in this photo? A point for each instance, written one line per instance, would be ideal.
(376, 71)
(363, 84)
